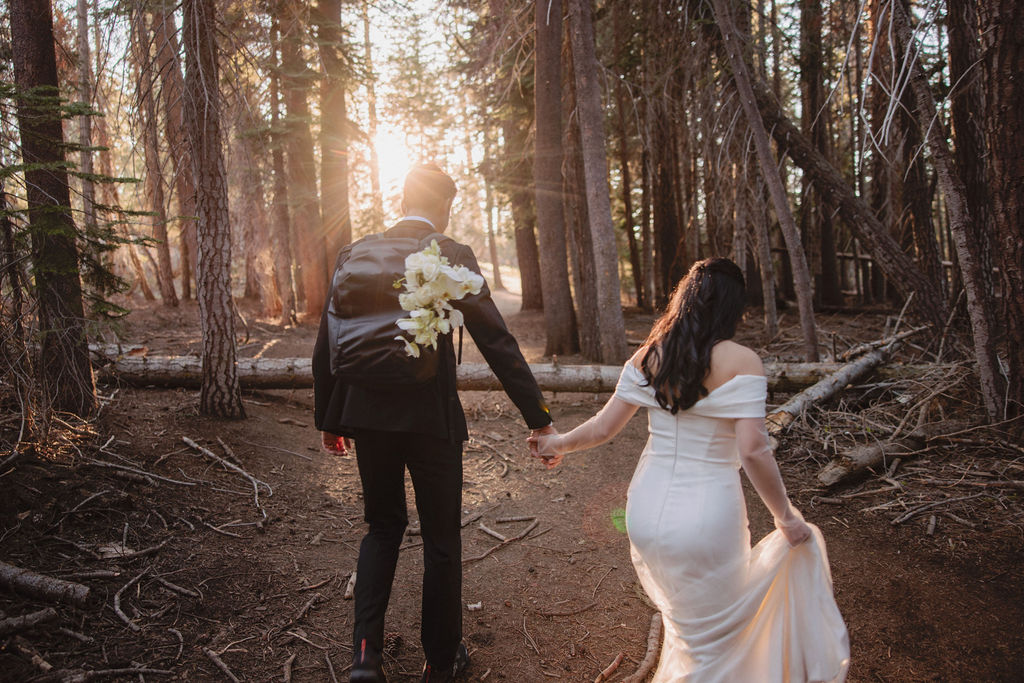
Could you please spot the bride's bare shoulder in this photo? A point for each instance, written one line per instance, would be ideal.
(729, 359)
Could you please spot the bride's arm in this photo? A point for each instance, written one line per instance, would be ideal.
(758, 462)
(595, 431)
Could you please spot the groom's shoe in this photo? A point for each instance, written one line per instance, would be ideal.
(366, 667)
(436, 675)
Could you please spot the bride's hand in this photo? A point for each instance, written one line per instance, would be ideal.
(793, 527)
(546, 447)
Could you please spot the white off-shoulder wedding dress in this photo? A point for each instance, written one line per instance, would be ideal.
(731, 613)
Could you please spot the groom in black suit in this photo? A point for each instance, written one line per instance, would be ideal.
(421, 428)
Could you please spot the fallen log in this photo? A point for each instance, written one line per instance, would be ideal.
(31, 584)
(859, 458)
(297, 373)
(26, 621)
(779, 419)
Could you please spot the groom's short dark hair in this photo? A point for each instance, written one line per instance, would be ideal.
(428, 186)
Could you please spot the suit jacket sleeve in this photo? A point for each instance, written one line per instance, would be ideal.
(327, 392)
(499, 347)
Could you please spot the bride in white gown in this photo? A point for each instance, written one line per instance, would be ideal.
(731, 613)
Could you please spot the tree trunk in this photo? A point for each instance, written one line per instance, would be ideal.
(334, 200)
(978, 300)
(611, 328)
(492, 247)
(524, 215)
(929, 301)
(769, 168)
(371, 115)
(302, 188)
(66, 376)
(814, 123)
(1002, 65)
(647, 239)
(172, 91)
(85, 121)
(622, 27)
(280, 234)
(967, 115)
(151, 151)
(219, 395)
(559, 319)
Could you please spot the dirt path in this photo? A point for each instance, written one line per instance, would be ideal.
(946, 607)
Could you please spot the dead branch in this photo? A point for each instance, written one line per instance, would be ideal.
(305, 608)
(610, 669)
(228, 465)
(296, 373)
(491, 532)
(43, 587)
(651, 656)
(288, 668)
(133, 470)
(330, 668)
(778, 420)
(220, 664)
(879, 343)
(350, 587)
(859, 458)
(513, 539)
(25, 649)
(26, 621)
(178, 589)
(117, 602)
(928, 506)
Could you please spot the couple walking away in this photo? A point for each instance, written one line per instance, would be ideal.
(731, 613)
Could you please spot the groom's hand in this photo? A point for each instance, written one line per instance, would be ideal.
(334, 444)
(550, 460)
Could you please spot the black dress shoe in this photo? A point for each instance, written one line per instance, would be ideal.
(446, 675)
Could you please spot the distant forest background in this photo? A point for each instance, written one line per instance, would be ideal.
(848, 154)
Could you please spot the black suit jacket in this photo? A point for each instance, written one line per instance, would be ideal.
(432, 408)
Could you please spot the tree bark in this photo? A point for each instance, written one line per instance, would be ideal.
(516, 185)
(151, 152)
(929, 301)
(172, 90)
(85, 121)
(611, 329)
(280, 234)
(622, 27)
(334, 199)
(814, 219)
(967, 117)
(66, 376)
(219, 395)
(978, 300)
(559, 318)
(302, 187)
(1002, 65)
(40, 586)
(769, 169)
(492, 247)
(297, 373)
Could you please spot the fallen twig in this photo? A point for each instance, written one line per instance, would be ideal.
(651, 656)
(491, 532)
(177, 589)
(220, 664)
(330, 668)
(26, 621)
(513, 539)
(610, 669)
(288, 668)
(927, 506)
(143, 473)
(117, 601)
(35, 585)
(256, 483)
(350, 587)
(305, 608)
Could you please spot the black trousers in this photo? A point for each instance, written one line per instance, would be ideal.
(435, 467)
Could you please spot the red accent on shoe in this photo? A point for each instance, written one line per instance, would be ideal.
(362, 652)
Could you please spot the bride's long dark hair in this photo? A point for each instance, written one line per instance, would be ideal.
(705, 309)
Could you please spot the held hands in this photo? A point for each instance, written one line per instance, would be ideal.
(544, 444)
(336, 445)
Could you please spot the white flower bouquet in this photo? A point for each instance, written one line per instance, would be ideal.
(430, 286)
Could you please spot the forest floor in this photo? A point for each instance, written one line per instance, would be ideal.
(941, 606)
